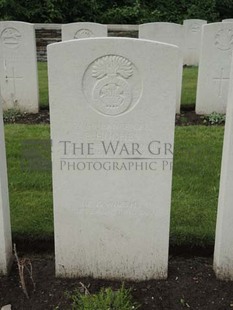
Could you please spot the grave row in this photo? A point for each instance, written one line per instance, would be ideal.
(112, 126)
(18, 66)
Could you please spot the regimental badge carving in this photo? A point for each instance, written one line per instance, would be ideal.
(195, 27)
(11, 37)
(112, 85)
(112, 91)
(224, 39)
(83, 33)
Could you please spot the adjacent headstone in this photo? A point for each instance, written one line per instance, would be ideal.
(227, 20)
(164, 32)
(112, 127)
(214, 68)
(5, 227)
(168, 33)
(223, 254)
(192, 33)
(18, 66)
(7, 307)
(83, 30)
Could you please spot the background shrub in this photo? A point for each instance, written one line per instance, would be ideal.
(114, 11)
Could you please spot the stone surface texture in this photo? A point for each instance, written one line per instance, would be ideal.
(18, 67)
(5, 226)
(214, 68)
(192, 33)
(83, 30)
(112, 127)
(223, 255)
(170, 33)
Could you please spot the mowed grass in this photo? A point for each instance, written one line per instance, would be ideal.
(195, 185)
(43, 84)
(188, 87)
(195, 181)
(196, 174)
(30, 192)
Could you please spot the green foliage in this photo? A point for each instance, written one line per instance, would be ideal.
(215, 119)
(137, 12)
(52, 11)
(169, 11)
(106, 299)
(11, 115)
(202, 10)
(224, 8)
(112, 11)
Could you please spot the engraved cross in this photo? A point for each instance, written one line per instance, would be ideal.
(220, 80)
(13, 77)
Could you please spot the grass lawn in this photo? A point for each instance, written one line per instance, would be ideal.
(43, 84)
(30, 192)
(197, 161)
(188, 88)
(195, 181)
(195, 185)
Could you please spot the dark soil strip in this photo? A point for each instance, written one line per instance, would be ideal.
(191, 285)
(46, 245)
(186, 118)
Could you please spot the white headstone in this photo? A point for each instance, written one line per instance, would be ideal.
(18, 66)
(214, 68)
(5, 227)
(168, 33)
(228, 20)
(223, 254)
(7, 307)
(112, 127)
(192, 33)
(83, 30)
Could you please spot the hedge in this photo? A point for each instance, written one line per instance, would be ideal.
(111, 12)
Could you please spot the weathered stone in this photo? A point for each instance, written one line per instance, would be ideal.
(112, 124)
